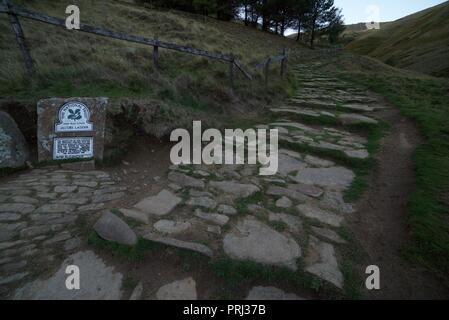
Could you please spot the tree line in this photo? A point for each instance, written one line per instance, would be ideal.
(310, 18)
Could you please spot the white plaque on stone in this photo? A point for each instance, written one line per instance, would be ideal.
(74, 117)
(73, 148)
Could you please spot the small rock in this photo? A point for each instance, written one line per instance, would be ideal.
(14, 266)
(174, 186)
(288, 164)
(202, 173)
(328, 234)
(72, 244)
(185, 180)
(284, 202)
(137, 292)
(226, 210)
(112, 228)
(9, 216)
(25, 199)
(178, 290)
(203, 202)
(22, 208)
(270, 293)
(357, 154)
(280, 191)
(334, 178)
(197, 193)
(56, 208)
(321, 261)
(73, 200)
(87, 184)
(91, 207)
(216, 218)
(7, 245)
(13, 278)
(308, 190)
(293, 223)
(172, 227)
(34, 231)
(81, 166)
(159, 205)
(236, 189)
(214, 229)
(58, 238)
(108, 197)
(136, 215)
(65, 189)
(313, 212)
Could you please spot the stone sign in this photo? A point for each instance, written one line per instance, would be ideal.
(71, 128)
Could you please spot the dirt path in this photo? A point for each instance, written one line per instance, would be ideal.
(381, 222)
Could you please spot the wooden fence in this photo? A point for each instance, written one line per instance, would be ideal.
(14, 12)
(265, 65)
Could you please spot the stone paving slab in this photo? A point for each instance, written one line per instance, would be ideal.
(38, 215)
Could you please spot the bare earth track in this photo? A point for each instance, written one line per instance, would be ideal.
(381, 223)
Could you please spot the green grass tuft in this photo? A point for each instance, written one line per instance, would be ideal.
(132, 253)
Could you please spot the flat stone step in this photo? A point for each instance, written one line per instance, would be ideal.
(159, 205)
(193, 246)
(254, 241)
(322, 262)
(354, 118)
(338, 178)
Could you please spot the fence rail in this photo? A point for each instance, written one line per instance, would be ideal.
(265, 65)
(14, 12)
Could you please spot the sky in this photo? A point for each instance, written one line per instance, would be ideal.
(356, 11)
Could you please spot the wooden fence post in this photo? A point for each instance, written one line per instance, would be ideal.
(231, 72)
(156, 56)
(267, 69)
(20, 37)
(283, 62)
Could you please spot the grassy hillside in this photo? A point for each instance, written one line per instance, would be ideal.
(72, 63)
(418, 42)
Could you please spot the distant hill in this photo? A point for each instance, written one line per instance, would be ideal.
(418, 42)
(354, 31)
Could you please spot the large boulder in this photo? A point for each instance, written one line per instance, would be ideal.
(13, 146)
(112, 228)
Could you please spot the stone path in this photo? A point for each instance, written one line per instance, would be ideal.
(290, 220)
(38, 215)
(278, 220)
